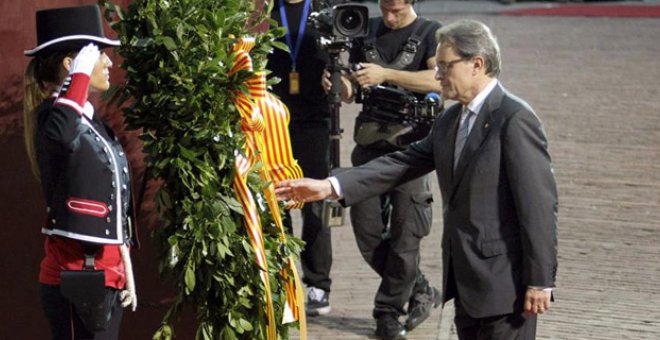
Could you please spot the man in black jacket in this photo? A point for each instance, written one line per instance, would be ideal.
(397, 54)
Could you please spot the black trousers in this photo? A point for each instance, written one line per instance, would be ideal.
(64, 321)
(310, 142)
(389, 240)
(515, 326)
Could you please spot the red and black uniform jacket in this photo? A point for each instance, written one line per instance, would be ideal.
(84, 175)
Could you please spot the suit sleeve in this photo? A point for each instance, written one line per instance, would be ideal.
(386, 172)
(534, 191)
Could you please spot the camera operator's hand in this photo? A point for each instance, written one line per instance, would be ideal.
(346, 90)
(370, 74)
(326, 83)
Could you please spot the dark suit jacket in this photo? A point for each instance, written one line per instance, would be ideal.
(499, 206)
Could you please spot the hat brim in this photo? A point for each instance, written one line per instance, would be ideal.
(71, 41)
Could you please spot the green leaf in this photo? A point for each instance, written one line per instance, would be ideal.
(187, 153)
(222, 250)
(282, 46)
(234, 205)
(246, 325)
(205, 331)
(164, 332)
(190, 278)
(228, 334)
(164, 199)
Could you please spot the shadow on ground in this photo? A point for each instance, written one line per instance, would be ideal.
(344, 324)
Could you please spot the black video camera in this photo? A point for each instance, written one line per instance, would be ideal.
(391, 118)
(339, 23)
(395, 105)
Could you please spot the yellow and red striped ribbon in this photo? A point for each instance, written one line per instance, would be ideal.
(276, 155)
(265, 118)
(276, 143)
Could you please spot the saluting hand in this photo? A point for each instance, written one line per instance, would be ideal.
(85, 60)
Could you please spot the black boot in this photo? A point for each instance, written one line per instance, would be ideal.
(421, 305)
(388, 327)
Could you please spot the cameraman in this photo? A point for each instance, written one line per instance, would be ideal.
(398, 53)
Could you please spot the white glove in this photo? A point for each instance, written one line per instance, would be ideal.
(85, 60)
(128, 296)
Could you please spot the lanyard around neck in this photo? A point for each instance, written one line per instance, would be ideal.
(301, 31)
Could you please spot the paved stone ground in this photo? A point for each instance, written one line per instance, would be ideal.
(595, 84)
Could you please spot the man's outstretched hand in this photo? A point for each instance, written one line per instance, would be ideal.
(304, 190)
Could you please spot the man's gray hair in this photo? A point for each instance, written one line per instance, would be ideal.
(471, 38)
(407, 2)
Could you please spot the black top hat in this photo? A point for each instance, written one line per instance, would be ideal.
(69, 28)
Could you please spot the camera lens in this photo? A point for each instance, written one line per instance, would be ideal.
(350, 21)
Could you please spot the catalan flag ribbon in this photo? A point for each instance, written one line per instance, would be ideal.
(264, 121)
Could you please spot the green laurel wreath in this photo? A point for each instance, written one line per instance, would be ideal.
(176, 56)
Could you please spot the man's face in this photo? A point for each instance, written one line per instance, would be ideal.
(454, 73)
(396, 13)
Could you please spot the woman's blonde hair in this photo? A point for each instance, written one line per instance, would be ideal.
(43, 76)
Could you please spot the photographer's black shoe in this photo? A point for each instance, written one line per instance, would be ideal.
(421, 305)
(318, 302)
(388, 327)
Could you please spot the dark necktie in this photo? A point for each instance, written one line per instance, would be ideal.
(462, 135)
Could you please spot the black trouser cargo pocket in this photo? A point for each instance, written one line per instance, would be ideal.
(422, 203)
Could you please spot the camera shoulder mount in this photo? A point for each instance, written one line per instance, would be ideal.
(408, 51)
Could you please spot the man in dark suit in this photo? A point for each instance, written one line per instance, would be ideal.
(499, 194)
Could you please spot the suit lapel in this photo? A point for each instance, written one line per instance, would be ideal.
(482, 127)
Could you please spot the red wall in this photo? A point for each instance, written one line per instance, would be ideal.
(22, 210)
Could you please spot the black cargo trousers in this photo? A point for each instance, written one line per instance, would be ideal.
(388, 230)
